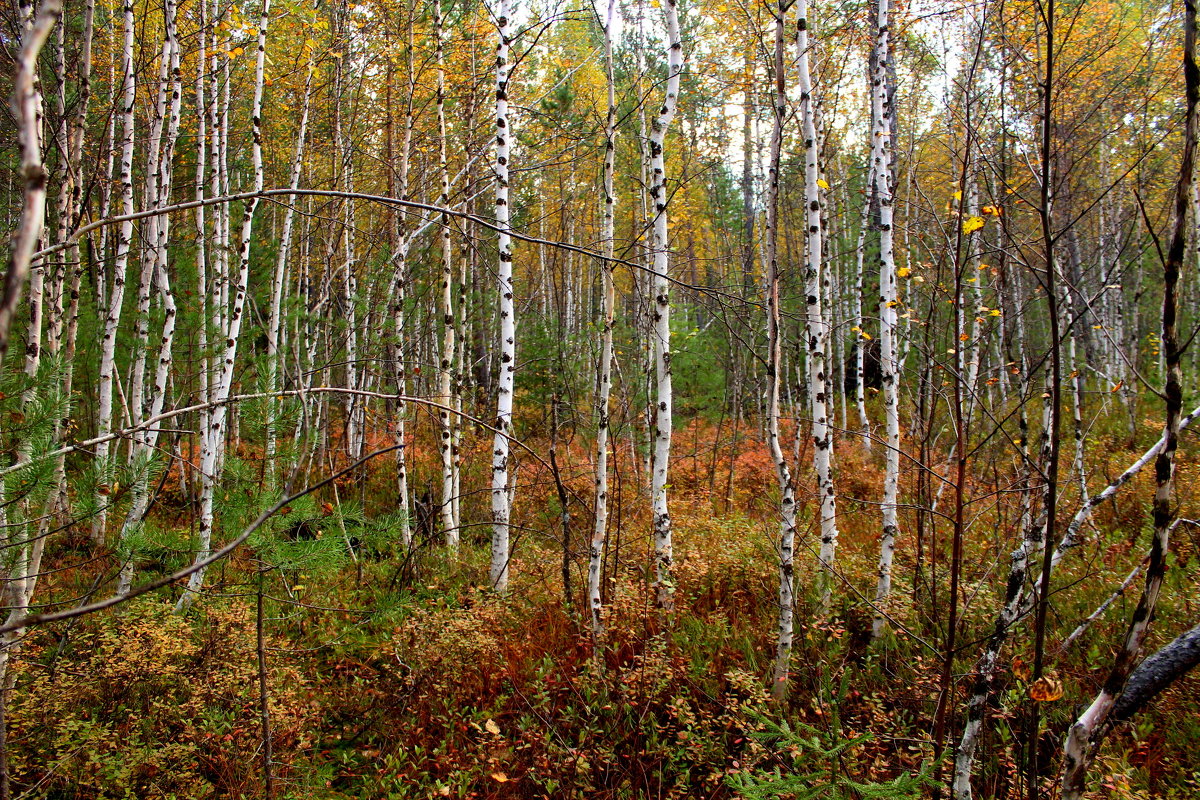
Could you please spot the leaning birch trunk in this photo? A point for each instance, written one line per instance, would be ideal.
(26, 106)
(446, 309)
(112, 320)
(214, 436)
(787, 491)
(1012, 611)
(816, 324)
(1071, 538)
(501, 491)
(604, 369)
(663, 551)
(881, 113)
(1088, 732)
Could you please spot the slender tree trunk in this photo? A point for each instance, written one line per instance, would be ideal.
(663, 550)
(108, 342)
(787, 490)
(215, 434)
(881, 141)
(275, 318)
(501, 491)
(1089, 730)
(604, 368)
(27, 107)
(446, 307)
(401, 279)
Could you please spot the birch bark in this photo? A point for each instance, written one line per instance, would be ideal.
(214, 435)
(775, 370)
(604, 369)
(501, 490)
(663, 550)
(816, 323)
(108, 342)
(446, 306)
(881, 142)
(1088, 731)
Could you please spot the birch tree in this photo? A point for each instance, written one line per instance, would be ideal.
(501, 490)
(787, 491)
(213, 439)
(663, 550)
(881, 166)
(608, 313)
(1088, 731)
(816, 323)
(108, 342)
(446, 307)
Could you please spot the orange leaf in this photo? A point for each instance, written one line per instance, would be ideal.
(1046, 689)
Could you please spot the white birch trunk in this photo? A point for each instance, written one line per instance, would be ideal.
(663, 551)
(881, 143)
(775, 368)
(816, 324)
(215, 434)
(108, 342)
(275, 319)
(401, 279)
(604, 368)
(446, 305)
(501, 491)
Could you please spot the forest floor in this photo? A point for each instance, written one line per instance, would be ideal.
(395, 675)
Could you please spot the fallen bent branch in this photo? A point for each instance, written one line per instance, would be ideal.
(151, 422)
(31, 620)
(412, 205)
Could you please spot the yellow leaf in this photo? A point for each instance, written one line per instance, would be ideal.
(492, 727)
(958, 195)
(1046, 689)
(972, 224)
(499, 777)
(903, 272)
(824, 184)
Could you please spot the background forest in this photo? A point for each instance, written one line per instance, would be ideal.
(646, 398)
